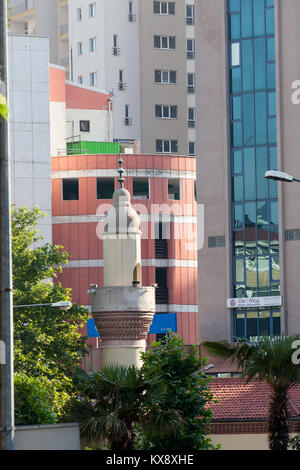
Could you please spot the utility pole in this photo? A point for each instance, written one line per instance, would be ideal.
(6, 309)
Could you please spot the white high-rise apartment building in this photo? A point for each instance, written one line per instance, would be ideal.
(141, 50)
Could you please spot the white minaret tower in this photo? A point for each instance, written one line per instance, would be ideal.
(123, 309)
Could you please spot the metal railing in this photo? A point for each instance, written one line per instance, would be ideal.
(162, 295)
(132, 17)
(128, 121)
(116, 51)
(122, 86)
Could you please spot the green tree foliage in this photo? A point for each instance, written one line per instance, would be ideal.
(48, 344)
(113, 401)
(34, 400)
(187, 392)
(3, 107)
(269, 360)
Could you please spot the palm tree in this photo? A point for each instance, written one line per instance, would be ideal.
(269, 360)
(113, 400)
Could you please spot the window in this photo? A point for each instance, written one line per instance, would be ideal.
(166, 146)
(122, 85)
(92, 9)
(127, 119)
(174, 189)
(84, 126)
(140, 188)
(191, 117)
(105, 188)
(79, 48)
(191, 148)
(190, 47)
(161, 292)
(115, 49)
(164, 8)
(80, 79)
(165, 76)
(190, 17)
(79, 15)
(191, 83)
(93, 43)
(164, 42)
(165, 111)
(70, 189)
(162, 234)
(131, 15)
(93, 79)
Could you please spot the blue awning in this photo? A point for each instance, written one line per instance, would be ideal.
(163, 322)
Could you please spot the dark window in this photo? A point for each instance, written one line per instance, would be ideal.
(84, 126)
(191, 148)
(70, 189)
(105, 188)
(140, 188)
(161, 241)
(161, 279)
(174, 189)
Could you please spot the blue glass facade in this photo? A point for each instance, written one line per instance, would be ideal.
(255, 250)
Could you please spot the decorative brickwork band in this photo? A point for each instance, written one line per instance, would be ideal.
(132, 326)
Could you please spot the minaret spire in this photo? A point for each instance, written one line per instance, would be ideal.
(121, 171)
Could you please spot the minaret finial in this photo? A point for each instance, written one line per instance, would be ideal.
(121, 171)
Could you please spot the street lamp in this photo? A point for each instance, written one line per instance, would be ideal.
(61, 305)
(280, 176)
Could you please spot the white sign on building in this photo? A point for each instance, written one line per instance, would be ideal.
(255, 302)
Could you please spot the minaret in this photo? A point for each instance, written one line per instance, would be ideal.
(123, 309)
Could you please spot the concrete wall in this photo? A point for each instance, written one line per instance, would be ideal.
(288, 123)
(30, 125)
(48, 437)
(212, 168)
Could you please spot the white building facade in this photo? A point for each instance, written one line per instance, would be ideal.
(30, 125)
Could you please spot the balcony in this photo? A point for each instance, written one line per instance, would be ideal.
(122, 86)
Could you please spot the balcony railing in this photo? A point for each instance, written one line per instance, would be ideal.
(161, 248)
(116, 51)
(128, 121)
(162, 295)
(132, 17)
(190, 20)
(190, 55)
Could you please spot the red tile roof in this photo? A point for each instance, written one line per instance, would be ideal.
(241, 401)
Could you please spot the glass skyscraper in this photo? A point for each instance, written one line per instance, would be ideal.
(255, 250)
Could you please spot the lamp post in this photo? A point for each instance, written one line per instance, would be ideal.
(280, 176)
(61, 305)
(6, 312)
